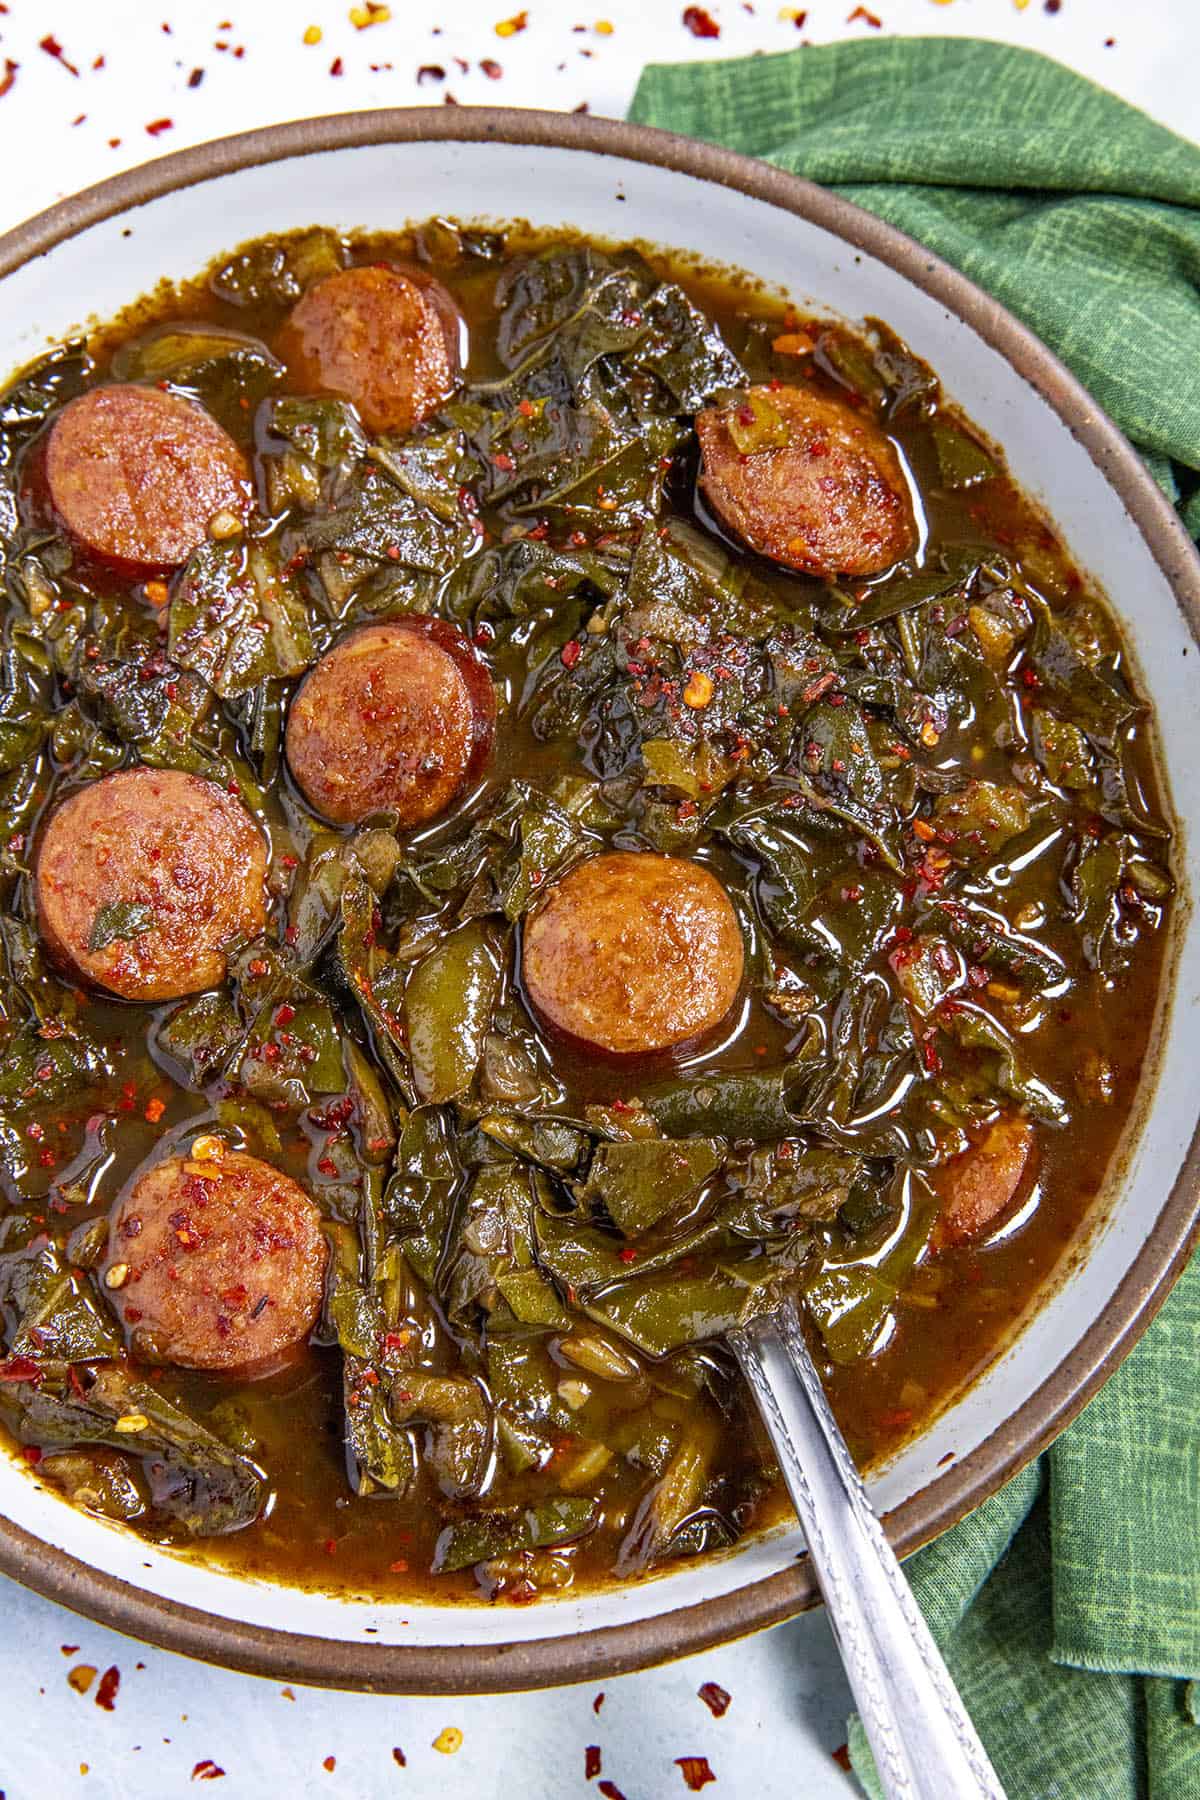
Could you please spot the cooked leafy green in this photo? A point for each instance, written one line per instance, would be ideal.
(638, 1182)
(118, 922)
(190, 1475)
(238, 619)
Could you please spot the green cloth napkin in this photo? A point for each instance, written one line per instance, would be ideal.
(1068, 1606)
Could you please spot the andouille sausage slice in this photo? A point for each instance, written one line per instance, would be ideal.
(380, 338)
(397, 717)
(137, 475)
(142, 879)
(823, 490)
(215, 1260)
(982, 1183)
(632, 952)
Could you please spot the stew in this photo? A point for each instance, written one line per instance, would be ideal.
(547, 798)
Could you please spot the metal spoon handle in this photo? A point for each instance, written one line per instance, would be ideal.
(924, 1743)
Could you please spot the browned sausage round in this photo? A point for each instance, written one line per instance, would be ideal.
(381, 339)
(397, 717)
(215, 1260)
(979, 1185)
(826, 493)
(143, 877)
(136, 475)
(632, 952)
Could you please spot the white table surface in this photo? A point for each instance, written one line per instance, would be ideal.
(60, 131)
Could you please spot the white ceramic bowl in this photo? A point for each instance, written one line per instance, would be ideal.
(91, 255)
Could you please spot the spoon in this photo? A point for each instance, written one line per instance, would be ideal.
(920, 1733)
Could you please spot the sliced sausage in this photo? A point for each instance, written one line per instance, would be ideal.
(143, 878)
(824, 494)
(979, 1185)
(136, 476)
(397, 717)
(380, 338)
(215, 1260)
(631, 952)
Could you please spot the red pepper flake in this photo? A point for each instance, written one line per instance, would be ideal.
(571, 651)
(695, 1771)
(610, 1790)
(591, 1762)
(628, 1254)
(31, 1453)
(398, 1757)
(330, 1764)
(715, 1698)
(20, 1368)
(430, 72)
(156, 127)
(597, 1703)
(195, 78)
(868, 18)
(337, 67)
(491, 68)
(841, 1757)
(822, 685)
(155, 1110)
(106, 1693)
(52, 47)
(207, 1770)
(69, 1649)
(700, 23)
(9, 75)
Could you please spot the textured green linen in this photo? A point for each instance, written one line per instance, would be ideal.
(1068, 1606)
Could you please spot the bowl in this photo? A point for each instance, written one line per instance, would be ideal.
(92, 254)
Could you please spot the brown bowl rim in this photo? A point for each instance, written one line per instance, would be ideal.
(616, 1649)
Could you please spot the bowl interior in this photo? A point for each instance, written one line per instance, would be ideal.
(590, 187)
